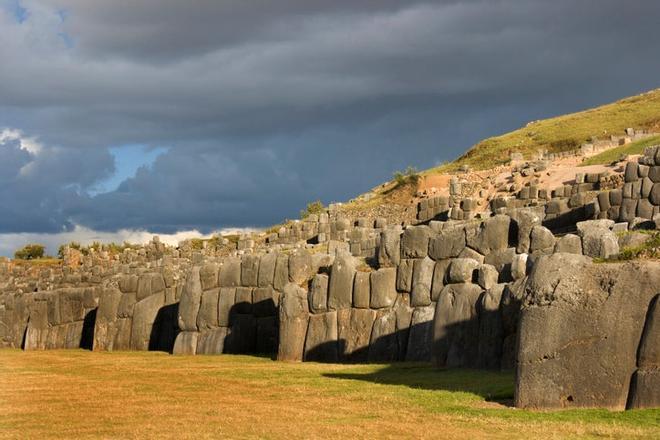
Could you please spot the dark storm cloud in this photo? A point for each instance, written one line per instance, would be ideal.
(265, 105)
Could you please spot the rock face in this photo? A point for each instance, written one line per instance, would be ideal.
(581, 328)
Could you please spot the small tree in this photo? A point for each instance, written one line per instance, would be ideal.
(409, 176)
(30, 252)
(312, 208)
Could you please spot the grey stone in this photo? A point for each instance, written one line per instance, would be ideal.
(226, 301)
(631, 173)
(644, 209)
(456, 326)
(519, 266)
(144, 316)
(361, 290)
(264, 302)
(420, 338)
(212, 341)
(569, 244)
(439, 277)
(415, 241)
(576, 310)
(447, 244)
(491, 332)
(186, 343)
(541, 240)
(321, 340)
(472, 254)
(207, 317)
(318, 294)
(281, 277)
(144, 287)
(355, 333)
(525, 219)
(230, 273)
(487, 276)
(389, 251)
(383, 287)
(628, 210)
(250, 270)
(293, 318)
(340, 287)
(654, 174)
(208, 275)
(191, 298)
(404, 275)
(597, 239)
(654, 196)
(491, 235)
(300, 267)
(461, 270)
(267, 270)
(383, 344)
(422, 280)
(243, 303)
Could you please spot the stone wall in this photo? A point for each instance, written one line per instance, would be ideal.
(589, 335)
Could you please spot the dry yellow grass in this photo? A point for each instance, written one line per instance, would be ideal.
(78, 394)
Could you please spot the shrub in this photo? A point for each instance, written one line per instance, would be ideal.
(32, 251)
(312, 208)
(408, 177)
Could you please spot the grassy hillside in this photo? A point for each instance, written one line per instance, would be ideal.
(615, 154)
(566, 132)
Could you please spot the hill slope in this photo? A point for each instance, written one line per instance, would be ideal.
(567, 132)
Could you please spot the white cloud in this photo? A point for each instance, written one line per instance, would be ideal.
(10, 242)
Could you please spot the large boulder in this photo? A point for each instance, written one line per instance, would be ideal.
(598, 240)
(383, 287)
(389, 251)
(456, 326)
(491, 235)
(321, 340)
(383, 346)
(144, 316)
(267, 270)
(448, 243)
(250, 270)
(340, 287)
(293, 317)
(420, 337)
(361, 290)
(301, 268)
(422, 279)
(415, 241)
(186, 343)
(230, 273)
(580, 331)
(318, 294)
(491, 332)
(461, 270)
(354, 333)
(191, 298)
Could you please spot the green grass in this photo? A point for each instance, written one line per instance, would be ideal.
(615, 154)
(74, 393)
(565, 132)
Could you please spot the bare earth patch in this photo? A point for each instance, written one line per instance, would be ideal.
(79, 394)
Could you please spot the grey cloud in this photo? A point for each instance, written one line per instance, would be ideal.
(264, 106)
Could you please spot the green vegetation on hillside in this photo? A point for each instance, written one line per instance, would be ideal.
(615, 154)
(565, 132)
(32, 251)
(312, 208)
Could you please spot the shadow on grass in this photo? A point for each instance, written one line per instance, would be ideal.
(492, 386)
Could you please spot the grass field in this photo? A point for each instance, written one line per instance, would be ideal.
(613, 155)
(80, 394)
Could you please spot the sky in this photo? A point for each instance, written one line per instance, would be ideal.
(166, 117)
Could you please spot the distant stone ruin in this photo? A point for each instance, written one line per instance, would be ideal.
(514, 287)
